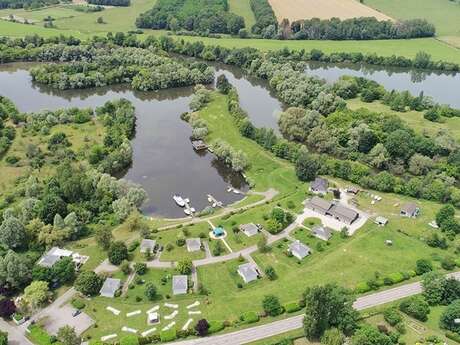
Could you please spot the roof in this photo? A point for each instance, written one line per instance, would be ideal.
(147, 245)
(322, 231)
(319, 184)
(299, 248)
(249, 229)
(111, 285)
(248, 272)
(381, 220)
(193, 244)
(218, 231)
(352, 189)
(343, 212)
(318, 202)
(180, 283)
(54, 255)
(409, 208)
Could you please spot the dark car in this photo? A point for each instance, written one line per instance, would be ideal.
(76, 312)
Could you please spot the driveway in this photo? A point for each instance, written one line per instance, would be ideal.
(63, 317)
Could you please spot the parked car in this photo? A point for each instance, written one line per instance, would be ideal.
(76, 312)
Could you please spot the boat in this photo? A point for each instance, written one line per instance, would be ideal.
(236, 191)
(186, 200)
(229, 189)
(209, 198)
(189, 211)
(179, 201)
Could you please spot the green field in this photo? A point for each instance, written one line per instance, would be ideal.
(242, 8)
(444, 14)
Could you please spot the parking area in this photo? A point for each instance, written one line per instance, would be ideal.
(63, 316)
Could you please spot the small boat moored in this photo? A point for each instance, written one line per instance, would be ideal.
(179, 201)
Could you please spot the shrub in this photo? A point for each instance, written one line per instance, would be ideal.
(392, 316)
(140, 268)
(362, 287)
(215, 326)
(448, 263)
(78, 304)
(396, 277)
(449, 315)
(202, 327)
(417, 307)
(168, 335)
(272, 306)
(292, 307)
(249, 317)
(423, 266)
(129, 340)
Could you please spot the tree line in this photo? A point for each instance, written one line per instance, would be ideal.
(202, 16)
(265, 17)
(26, 4)
(123, 3)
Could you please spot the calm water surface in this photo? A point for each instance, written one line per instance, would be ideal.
(164, 162)
(444, 87)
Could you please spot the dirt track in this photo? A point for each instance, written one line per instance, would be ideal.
(324, 9)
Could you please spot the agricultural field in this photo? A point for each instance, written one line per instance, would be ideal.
(326, 9)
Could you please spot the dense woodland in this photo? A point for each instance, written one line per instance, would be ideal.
(202, 16)
(27, 4)
(7, 132)
(92, 67)
(123, 3)
(265, 17)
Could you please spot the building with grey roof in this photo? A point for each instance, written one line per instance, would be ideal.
(193, 244)
(299, 250)
(343, 214)
(322, 232)
(319, 186)
(249, 229)
(110, 287)
(410, 210)
(248, 272)
(147, 245)
(382, 221)
(319, 205)
(180, 284)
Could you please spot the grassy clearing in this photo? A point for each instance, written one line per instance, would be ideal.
(243, 8)
(414, 119)
(444, 14)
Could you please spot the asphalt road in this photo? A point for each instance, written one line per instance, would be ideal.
(278, 327)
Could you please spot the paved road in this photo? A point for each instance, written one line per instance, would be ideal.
(15, 334)
(278, 327)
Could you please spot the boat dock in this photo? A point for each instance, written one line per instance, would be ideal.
(199, 145)
(189, 210)
(214, 202)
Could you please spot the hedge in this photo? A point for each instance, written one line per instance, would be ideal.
(362, 287)
(453, 336)
(292, 307)
(129, 340)
(249, 317)
(215, 326)
(168, 335)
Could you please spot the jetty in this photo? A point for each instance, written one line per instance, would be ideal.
(214, 202)
(189, 210)
(199, 145)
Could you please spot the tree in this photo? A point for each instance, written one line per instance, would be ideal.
(12, 233)
(202, 327)
(270, 272)
(449, 315)
(450, 290)
(117, 252)
(140, 268)
(67, 336)
(14, 270)
(222, 84)
(64, 270)
(417, 307)
(272, 306)
(100, 20)
(88, 283)
(104, 237)
(445, 212)
(150, 291)
(185, 266)
(306, 166)
(368, 335)
(423, 266)
(420, 165)
(36, 294)
(399, 144)
(328, 306)
(333, 336)
(7, 308)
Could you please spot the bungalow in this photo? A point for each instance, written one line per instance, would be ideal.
(249, 229)
(322, 232)
(319, 186)
(319, 205)
(180, 285)
(248, 272)
(110, 287)
(410, 210)
(193, 244)
(147, 245)
(381, 221)
(343, 214)
(55, 254)
(299, 250)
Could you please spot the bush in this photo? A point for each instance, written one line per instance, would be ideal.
(423, 266)
(168, 335)
(417, 307)
(249, 317)
(78, 304)
(396, 277)
(448, 263)
(215, 326)
(129, 340)
(362, 287)
(453, 336)
(292, 307)
(272, 306)
(392, 316)
(140, 268)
